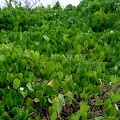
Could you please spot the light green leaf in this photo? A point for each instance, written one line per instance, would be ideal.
(24, 93)
(2, 57)
(83, 114)
(84, 107)
(37, 43)
(98, 118)
(53, 116)
(75, 116)
(36, 55)
(61, 97)
(83, 95)
(56, 85)
(57, 105)
(50, 67)
(16, 83)
(99, 102)
(29, 86)
(116, 106)
(114, 79)
(46, 38)
(115, 97)
(107, 103)
(20, 76)
(36, 100)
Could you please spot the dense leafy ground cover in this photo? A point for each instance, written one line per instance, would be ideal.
(60, 63)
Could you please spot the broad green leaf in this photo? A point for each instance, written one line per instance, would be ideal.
(23, 63)
(16, 83)
(75, 116)
(39, 94)
(57, 105)
(58, 66)
(24, 113)
(31, 109)
(9, 102)
(10, 77)
(18, 100)
(14, 67)
(111, 112)
(51, 110)
(96, 89)
(61, 97)
(50, 67)
(65, 38)
(83, 95)
(5, 116)
(115, 97)
(99, 102)
(83, 115)
(69, 96)
(29, 101)
(20, 76)
(64, 85)
(36, 55)
(24, 93)
(2, 57)
(56, 85)
(107, 103)
(84, 107)
(53, 116)
(114, 79)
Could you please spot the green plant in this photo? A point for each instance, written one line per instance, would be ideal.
(60, 63)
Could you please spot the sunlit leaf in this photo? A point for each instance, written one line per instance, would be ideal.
(53, 116)
(16, 83)
(57, 105)
(99, 102)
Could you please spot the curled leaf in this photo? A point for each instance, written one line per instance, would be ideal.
(51, 83)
